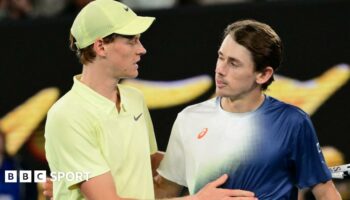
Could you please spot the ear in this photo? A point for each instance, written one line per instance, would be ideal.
(264, 76)
(99, 48)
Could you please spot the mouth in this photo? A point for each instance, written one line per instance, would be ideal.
(136, 64)
(220, 83)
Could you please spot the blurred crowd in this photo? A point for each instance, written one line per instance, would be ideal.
(23, 9)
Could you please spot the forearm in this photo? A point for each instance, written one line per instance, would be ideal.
(180, 198)
(211, 191)
(164, 188)
(100, 187)
(326, 191)
(330, 196)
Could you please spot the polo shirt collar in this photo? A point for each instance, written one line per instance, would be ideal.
(95, 98)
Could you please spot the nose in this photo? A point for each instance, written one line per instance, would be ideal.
(220, 67)
(141, 49)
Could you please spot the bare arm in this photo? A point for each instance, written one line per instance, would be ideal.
(166, 189)
(156, 158)
(108, 185)
(101, 187)
(326, 191)
(163, 188)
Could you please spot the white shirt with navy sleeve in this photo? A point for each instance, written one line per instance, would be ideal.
(271, 151)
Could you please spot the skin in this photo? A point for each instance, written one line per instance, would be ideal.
(114, 61)
(239, 85)
(236, 80)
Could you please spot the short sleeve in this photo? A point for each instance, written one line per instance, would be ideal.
(72, 147)
(172, 167)
(310, 165)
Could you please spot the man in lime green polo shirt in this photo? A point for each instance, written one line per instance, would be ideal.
(99, 136)
(100, 128)
(86, 133)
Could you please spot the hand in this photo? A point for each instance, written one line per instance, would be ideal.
(47, 186)
(212, 192)
(156, 158)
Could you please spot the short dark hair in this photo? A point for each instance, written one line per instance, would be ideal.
(261, 40)
(87, 54)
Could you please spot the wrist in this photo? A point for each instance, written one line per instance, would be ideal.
(193, 197)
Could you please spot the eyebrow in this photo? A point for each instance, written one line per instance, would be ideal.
(231, 58)
(131, 37)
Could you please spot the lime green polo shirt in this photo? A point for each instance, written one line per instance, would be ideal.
(85, 134)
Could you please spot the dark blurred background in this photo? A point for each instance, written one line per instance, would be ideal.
(182, 43)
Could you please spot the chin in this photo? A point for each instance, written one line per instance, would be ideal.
(219, 92)
(129, 76)
(134, 74)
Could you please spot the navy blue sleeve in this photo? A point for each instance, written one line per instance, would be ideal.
(310, 165)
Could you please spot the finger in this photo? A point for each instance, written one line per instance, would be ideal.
(221, 180)
(242, 198)
(47, 193)
(47, 183)
(238, 193)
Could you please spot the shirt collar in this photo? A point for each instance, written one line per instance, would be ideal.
(95, 98)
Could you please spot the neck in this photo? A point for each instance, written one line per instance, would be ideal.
(244, 104)
(101, 82)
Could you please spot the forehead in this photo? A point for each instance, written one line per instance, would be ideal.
(230, 48)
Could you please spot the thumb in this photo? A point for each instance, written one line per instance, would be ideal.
(221, 180)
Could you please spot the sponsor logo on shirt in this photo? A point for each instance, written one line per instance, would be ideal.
(202, 133)
(137, 117)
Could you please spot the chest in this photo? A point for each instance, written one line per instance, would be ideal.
(124, 138)
(228, 143)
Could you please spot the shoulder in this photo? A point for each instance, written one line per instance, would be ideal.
(69, 108)
(205, 107)
(68, 119)
(284, 108)
(62, 105)
(285, 114)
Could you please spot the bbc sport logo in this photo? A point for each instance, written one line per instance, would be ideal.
(39, 176)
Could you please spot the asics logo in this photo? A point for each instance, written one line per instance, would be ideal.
(138, 117)
(202, 133)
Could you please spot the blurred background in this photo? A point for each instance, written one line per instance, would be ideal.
(36, 68)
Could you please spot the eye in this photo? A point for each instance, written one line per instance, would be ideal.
(234, 64)
(136, 40)
(132, 41)
(220, 58)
